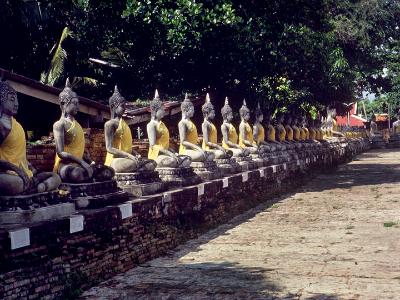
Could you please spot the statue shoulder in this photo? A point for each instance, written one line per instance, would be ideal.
(59, 125)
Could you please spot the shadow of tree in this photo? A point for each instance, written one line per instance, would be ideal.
(194, 281)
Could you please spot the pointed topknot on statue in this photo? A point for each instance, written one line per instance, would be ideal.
(116, 98)
(258, 111)
(226, 109)
(155, 104)
(244, 109)
(67, 94)
(207, 106)
(208, 100)
(67, 83)
(156, 95)
(186, 104)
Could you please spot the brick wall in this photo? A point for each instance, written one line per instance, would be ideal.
(42, 156)
(59, 264)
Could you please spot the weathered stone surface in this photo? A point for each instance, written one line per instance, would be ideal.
(336, 238)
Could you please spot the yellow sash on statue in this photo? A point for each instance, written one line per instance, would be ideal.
(260, 134)
(191, 137)
(296, 133)
(307, 132)
(248, 135)
(289, 133)
(232, 136)
(74, 143)
(302, 134)
(122, 141)
(162, 141)
(271, 133)
(282, 133)
(13, 148)
(212, 137)
(313, 135)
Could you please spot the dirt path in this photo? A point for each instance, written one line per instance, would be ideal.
(337, 238)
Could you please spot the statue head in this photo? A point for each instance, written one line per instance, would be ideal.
(156, 107)
(244, 111)
(187, 107)
(279, 117)
(69, 101)
(288, 119)
(226, 111)
(8, 99)
(267, 116)
(117, 103)
(258, 114)
(208, 108)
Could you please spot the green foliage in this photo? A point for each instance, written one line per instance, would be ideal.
(56, 68)
(286, 54)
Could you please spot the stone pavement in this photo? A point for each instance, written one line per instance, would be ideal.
(337, 238)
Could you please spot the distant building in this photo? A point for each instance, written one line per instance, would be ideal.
(352, 119)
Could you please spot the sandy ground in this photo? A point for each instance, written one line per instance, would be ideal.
(336, 238)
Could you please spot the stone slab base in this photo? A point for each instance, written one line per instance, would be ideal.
(137, 177)
(178, 177)
(31, 201)
(90, 188)
(100, 200)
(145, 189)
(227, 166)
(207, 170)
(37, 215)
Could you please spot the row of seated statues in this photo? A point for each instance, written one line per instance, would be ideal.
(73, 165)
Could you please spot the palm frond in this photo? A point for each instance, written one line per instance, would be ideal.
(56, 68)
(79, 81)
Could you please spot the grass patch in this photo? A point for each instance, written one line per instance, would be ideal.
(349, 232)
(389, 224)
(349, 227)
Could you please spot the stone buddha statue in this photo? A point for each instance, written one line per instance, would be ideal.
(396, 124)
(158, 135)
(72, 163)
(120, 155)
(189, 137)
(271, 134)
(229, 133)
(246, 138)
(280, 130)
(296, 129)
(288, 127)
(259, 131)
(17, 176)
(373, 126)
(306, 131)
(210, 140)
(332, 124)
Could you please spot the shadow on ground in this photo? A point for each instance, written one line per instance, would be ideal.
(194, 281)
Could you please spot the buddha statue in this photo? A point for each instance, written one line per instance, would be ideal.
(246, 138)
(373, 126)
(271, 134)
(332, 124)
(72, 163)
(259, 131)
(158, 134)
(396, 124)
(17, 176)
(189, 137)
(120, 155)
(229, 133)
(280, 130)
(210, 140)
(288, 127)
